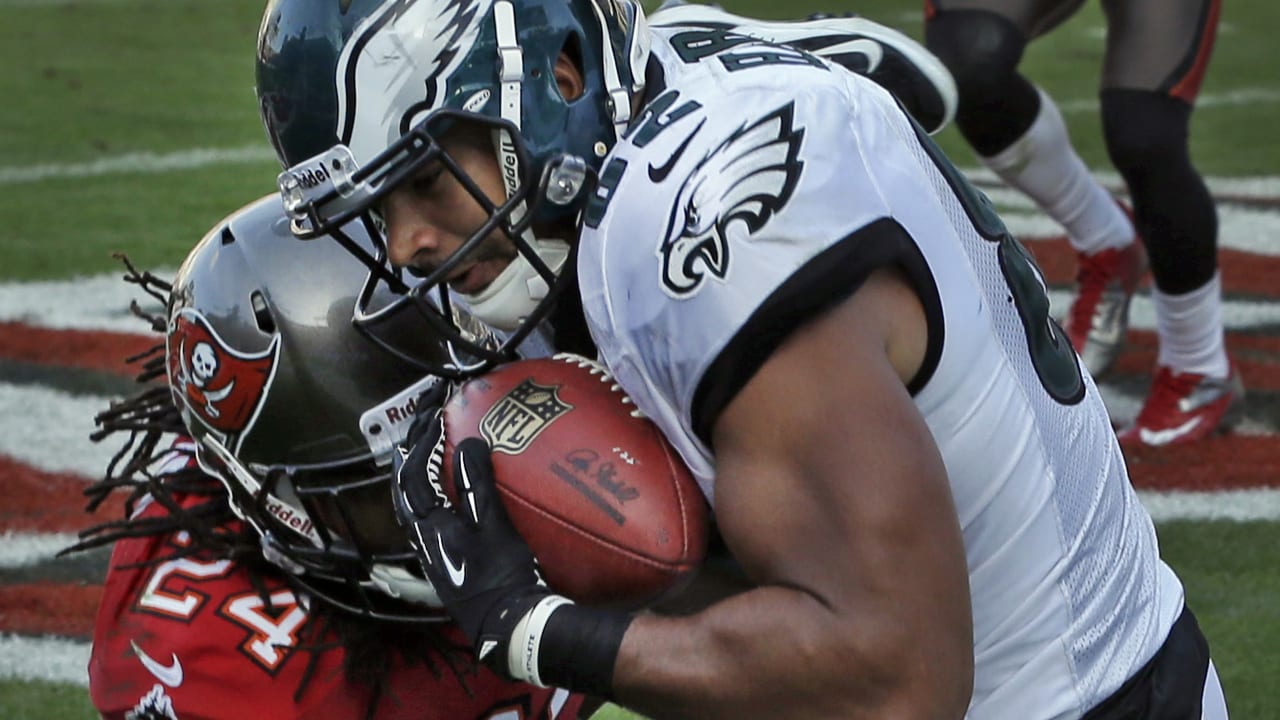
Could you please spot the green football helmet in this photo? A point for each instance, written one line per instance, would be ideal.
(355, 95)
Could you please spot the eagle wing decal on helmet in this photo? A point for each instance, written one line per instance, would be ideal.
(398, 58)
(747, 178)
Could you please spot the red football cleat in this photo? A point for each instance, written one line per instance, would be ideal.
(1184, 407)
(1099, 315)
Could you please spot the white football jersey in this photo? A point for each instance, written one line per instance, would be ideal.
(759, 187)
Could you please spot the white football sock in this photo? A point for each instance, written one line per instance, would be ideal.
(1190, 330)
(1043, 165)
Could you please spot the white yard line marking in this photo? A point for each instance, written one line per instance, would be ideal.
(135, 163)
(1245, 229)
(99, 302)
(18, 549)
(51, 659)
(1230, 98)
(49, 430)
(1236, 314)
(1234, 505)
(1255, 187)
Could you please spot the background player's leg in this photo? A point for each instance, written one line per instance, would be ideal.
(1018, 132)
(1157, 52)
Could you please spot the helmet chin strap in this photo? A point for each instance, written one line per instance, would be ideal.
(637, 55)
(516, 292)
(518, 289)
(511, 77)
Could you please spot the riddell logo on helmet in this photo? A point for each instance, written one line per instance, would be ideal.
(311, 177)
(510, 165)
(289, 516)
(397, 414)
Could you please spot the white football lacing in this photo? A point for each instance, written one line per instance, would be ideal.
(596, 368)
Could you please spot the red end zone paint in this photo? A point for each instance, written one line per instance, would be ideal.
(1257, 356)
(64, 609)
(1243, 273)
(84, 349)
(1227, 462)
(38, 501)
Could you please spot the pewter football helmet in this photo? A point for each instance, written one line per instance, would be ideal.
(296, 409)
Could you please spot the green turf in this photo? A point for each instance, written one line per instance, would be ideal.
(88, 82)
(92, 81)
(98, 79)
(1226, 139)
(44, 701)
(155, 225)
(1229, 570)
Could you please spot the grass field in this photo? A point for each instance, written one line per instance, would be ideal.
(132, 125)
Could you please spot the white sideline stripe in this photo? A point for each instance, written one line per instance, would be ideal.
(1243, 96)
(1236, 314)
(150, 162)
(21, 549)
(1234, 505)
(51, 659)
(132, 163)
(1258, 187)
(49, 430)
(1248, 230)
(1241, 505)
(98, 302)
(60, 660)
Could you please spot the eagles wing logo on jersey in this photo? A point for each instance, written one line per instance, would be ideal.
(223, 388)
(396, 55)
(746, 179)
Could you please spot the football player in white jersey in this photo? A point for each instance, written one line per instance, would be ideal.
(843, 341)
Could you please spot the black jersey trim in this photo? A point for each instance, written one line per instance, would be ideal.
(823, 282)
(1170, 686)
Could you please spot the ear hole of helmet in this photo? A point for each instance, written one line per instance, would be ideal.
(572, 50)
(262, 313)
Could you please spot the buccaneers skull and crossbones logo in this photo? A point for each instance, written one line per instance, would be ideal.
(221, 386)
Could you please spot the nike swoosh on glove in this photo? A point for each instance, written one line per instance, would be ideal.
(483, 570)
(487, 577)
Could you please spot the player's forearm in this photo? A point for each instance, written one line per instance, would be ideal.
(780, 653)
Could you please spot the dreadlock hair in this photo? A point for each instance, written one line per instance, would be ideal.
(143, 467)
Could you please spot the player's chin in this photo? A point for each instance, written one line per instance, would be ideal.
(479, 276)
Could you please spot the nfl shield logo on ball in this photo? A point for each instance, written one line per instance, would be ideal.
(516, 419)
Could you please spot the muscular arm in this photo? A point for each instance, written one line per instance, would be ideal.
(832, 495)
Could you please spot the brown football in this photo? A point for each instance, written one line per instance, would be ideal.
(606, 504)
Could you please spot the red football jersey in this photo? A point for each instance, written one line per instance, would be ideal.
(191, 639)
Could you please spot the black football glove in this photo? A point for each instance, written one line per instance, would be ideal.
(484, 572)
(487, 577)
